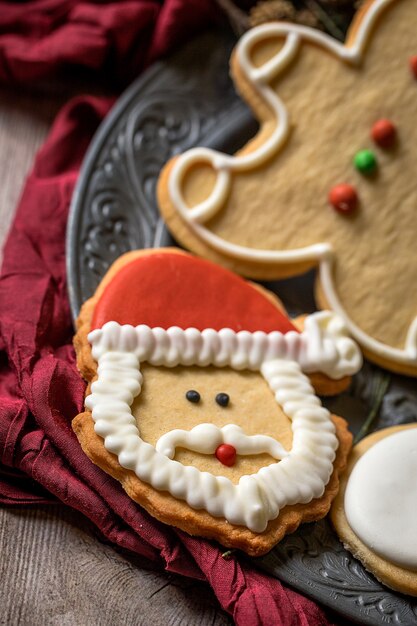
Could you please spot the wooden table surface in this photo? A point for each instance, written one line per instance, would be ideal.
(53, 568)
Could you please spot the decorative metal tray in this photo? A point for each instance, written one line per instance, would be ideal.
(184, 101)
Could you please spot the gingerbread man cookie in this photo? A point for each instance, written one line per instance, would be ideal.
(330, 179)
(199, 400)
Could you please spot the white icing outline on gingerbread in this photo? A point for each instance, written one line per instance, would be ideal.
(224, 164)
(299, 477)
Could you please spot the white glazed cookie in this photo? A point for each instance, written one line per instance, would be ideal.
(329, 181)
(200, 401)
(375, 511)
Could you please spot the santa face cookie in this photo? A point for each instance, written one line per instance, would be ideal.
(330, 179)
(199, 401)
(375, 511)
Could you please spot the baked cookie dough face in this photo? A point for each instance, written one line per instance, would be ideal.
(330, 179)
(163, 407)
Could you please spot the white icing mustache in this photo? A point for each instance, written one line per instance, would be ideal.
(206, 438)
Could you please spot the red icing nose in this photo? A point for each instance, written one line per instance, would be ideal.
(226, 454)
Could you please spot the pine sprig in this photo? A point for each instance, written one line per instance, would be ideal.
(381, 383)
(324, 18)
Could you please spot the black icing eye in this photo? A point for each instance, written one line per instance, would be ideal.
(222, 399)
(193, 396)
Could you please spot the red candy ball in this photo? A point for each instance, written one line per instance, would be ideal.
(384, 133)
(343, 198)
(413, 65)
(226, 454)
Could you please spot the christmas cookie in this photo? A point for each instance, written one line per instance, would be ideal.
(375, 511)
(199, 399)
(330, 179)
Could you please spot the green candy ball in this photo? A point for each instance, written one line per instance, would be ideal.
(365, 161)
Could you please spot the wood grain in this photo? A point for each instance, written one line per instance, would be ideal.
(53, 569)
(24, 122)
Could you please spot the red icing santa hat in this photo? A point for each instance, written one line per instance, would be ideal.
(169, 288)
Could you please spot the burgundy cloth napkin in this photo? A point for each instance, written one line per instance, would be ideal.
(40, 389)
(41, 39)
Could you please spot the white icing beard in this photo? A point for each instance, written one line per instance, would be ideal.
(303, 472)
(225, 165)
